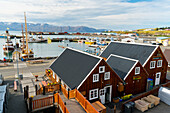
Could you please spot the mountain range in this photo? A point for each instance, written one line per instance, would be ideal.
(47, 27)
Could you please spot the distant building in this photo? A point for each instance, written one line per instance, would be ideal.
(149, 30)
(162, 39)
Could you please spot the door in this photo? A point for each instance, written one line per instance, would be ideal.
(108, 90)
(102, 96)
(157, 78)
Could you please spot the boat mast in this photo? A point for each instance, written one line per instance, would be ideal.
(23, 44)
(26, 33)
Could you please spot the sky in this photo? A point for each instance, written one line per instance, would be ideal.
(100, 14)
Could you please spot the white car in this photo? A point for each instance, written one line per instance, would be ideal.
(1, 79)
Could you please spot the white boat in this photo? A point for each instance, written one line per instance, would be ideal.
(8, 47)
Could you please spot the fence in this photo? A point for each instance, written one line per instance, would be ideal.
(43, 102)
(37, 104)
(65, 92)
(153, 91)
(84, 103)
(49, 88)
(58, 100)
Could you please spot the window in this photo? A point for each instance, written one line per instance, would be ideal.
(93, 94)
(152, 64)
(159, 63)
(137, 70)
(101, 69)
(95, 77)
(107, 76)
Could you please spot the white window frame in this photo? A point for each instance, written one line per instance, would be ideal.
(103, 69)
(153, 65)
(105, 76)
(93, 91)
(95, 77)
(160, 63)
(137, 72)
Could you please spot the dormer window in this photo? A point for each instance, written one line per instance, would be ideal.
(101, 69)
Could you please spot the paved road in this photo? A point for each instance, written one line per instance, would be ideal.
(11, 70)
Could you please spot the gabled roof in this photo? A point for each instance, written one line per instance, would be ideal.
(72, 66)
(121, 65)
(141, 52)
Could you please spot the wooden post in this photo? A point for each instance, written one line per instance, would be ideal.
(68, 93)
(114, 108)
(30, 104)
(54, 97)
(24, 92)
(64, 107)
(43, 90)
(27, 92)
(60, 84)
(36, 89)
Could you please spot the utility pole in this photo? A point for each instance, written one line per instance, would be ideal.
(16, 57)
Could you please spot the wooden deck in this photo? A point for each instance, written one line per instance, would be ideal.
(72, 105)
(30, 81)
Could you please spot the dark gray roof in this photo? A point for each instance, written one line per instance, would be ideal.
(134, 51)
(121, 65)
(72, 66)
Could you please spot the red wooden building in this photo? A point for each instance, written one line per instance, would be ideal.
(150, 57)
(131, 72)
(90, 74)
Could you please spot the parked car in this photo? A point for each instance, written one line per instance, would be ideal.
(1, 79)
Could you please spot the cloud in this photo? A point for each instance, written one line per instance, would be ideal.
(111, 14)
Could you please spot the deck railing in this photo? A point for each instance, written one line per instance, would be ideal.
(64, 91)
(49, 88)
(43, 102)
(88, 107)
(47, 102)
(57, 99)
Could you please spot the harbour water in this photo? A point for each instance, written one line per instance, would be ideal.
(44, 49)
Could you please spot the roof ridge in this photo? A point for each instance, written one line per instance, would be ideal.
(134, 43)
(83, 52)
(122, 57)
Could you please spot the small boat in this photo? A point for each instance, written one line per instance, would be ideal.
(89, 41)
(33, 40)
(81, 40)
(25, 54)
(101, 42)
(2, 36)
(65, 41)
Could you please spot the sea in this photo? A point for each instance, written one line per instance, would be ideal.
(45, 49)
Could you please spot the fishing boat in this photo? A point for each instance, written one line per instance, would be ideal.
(26, 52)
(81, 40)
(8, 47)
(38, 40)
(101, 42)
(2, 36)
